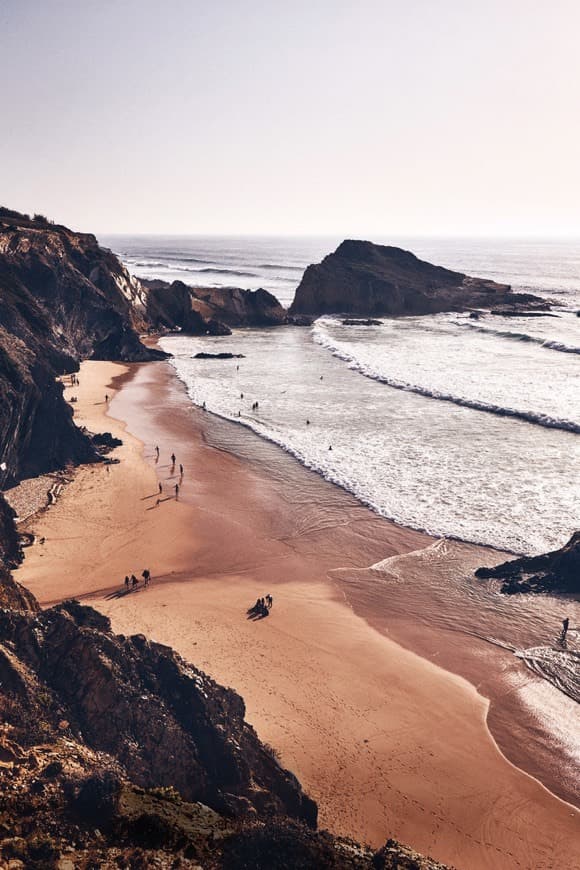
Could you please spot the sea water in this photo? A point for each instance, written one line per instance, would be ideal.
(464, 428)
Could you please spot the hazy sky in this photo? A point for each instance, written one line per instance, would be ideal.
(306, 116)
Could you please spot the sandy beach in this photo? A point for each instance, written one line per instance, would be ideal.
(387, 742)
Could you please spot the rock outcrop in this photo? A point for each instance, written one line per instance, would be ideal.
(203, 310)
(62, 299)
(162, 720)
(558, 571)
(114, 752)
(362, 278)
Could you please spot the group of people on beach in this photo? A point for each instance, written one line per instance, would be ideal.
(131, 582)
(177, 485)
(261, 608)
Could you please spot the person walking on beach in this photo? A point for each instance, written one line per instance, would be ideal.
(146, 576)
(127, 582)
(565, 627)
(181, 470)
(134, 580)
(176, 491)
(157, 451)
(173, 460)
(106, 398)
(160, 488)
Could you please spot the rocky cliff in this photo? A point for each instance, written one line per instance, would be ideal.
(366, 279)
(199, 310)
(114, 752)
(62, 299)
(558, 571)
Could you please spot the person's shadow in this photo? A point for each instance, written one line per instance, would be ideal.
(254, 613)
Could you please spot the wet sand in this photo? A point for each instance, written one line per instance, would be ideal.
(387, 742)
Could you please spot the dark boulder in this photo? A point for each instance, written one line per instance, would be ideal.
(558, 571)
(216, 327)
(225, 355)
(368, 322)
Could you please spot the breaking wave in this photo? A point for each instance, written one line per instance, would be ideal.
(523, 336)
(341, 352)
(560, 667)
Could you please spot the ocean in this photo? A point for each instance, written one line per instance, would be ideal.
(462, 428)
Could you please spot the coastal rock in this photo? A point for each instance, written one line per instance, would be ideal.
(204, 355)
(362, 278)
(92, 307)
(62, 299)
(524, 310)
(236, 307)
(558, 571)
(300, 320)
(169, 307)
(216, 327)
(165, 722)
(368, 322)
(210, 310)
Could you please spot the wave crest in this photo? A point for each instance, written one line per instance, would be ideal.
(533, 417)
(523, 336)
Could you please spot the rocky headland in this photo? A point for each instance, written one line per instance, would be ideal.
(365, 279)
(558, 571)
(62, 299)
(210, 310)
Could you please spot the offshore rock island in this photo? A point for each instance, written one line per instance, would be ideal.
(362, 278)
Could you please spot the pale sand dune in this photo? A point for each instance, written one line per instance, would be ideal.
(386, 742)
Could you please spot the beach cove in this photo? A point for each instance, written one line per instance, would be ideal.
(387, 742)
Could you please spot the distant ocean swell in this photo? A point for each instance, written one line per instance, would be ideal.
(339, 351)
(523, 336)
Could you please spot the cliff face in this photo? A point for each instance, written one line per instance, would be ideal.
(198, 310)
(92, 307)
(366, 279)
(62, 299)
(558, 571)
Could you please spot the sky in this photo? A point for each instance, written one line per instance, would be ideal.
(375, 117)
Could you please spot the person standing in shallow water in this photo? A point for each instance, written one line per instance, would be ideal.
(565, 627)
(176, 490)
(173, 459)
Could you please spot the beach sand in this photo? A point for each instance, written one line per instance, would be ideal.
(387, 742)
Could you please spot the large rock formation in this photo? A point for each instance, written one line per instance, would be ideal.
(199, 310)
(114, 752)
(366, 279)
(558, 571)
(62, 299)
